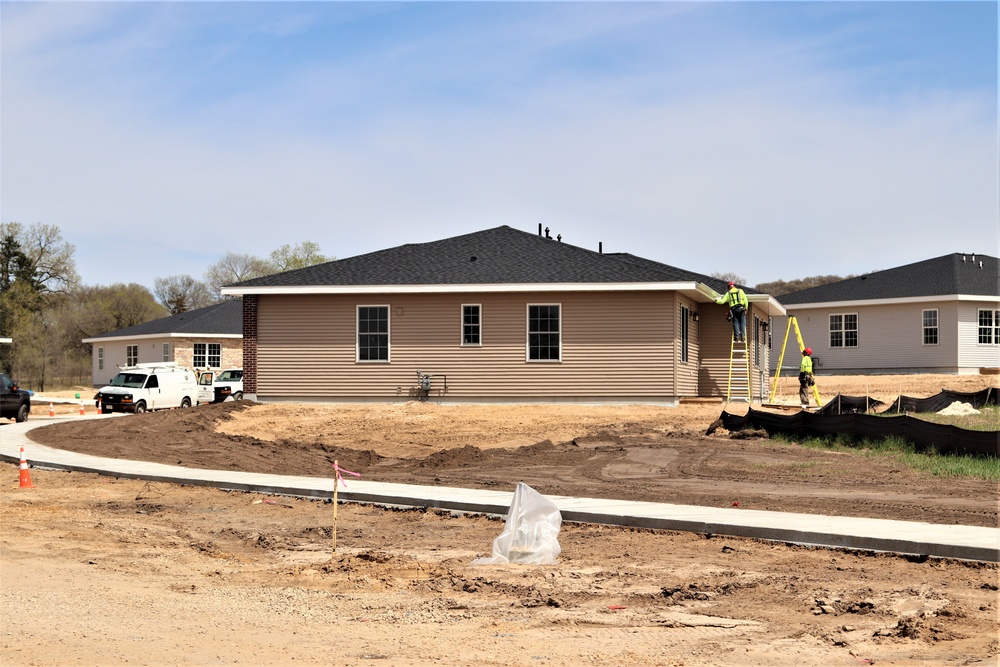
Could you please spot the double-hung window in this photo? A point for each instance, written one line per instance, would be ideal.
(373, 333)
(844, 330)
(131, 355)
(166, 351)
(100, 358)
(544, 333)
(989, 327)
(471, 325)
(930, 320)
(207, 355)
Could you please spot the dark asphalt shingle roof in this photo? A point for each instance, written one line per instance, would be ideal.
(951, 274)
(501, 255)
(220, 318)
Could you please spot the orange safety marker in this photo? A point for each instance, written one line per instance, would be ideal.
(52, 411)
(81, 409)
(25, 473)
(100, 410)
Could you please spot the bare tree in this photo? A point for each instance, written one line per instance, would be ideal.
(50, 255)
(300, 256)
(182, 293)
(234, 268)
(727, 276)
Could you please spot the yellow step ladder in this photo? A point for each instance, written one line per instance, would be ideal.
(792, 324)
(739, 387)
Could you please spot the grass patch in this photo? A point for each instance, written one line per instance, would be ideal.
(988, 419)
(906, 454)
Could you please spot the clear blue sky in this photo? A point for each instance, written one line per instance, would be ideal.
(774, 140)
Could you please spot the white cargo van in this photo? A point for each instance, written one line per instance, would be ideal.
(149, 387)
(218, 386)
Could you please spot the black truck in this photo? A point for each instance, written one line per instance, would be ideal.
(14, 403)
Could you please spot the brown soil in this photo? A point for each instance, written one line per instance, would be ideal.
(104, 571)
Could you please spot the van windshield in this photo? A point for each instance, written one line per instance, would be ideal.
(131, 380)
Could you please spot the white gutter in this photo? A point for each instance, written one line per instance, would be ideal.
(162, 335)
(450, 288)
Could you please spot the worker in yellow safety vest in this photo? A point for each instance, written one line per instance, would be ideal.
(806, 376)
(736, 299)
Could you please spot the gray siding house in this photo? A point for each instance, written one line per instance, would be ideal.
(209, 337)
(940, 315)
(499, 315)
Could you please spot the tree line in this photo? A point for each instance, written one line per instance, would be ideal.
(48, 311)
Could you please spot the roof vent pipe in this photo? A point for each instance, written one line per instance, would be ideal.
(600, 247)
(540, 233)
(973, 258)
(980, 264)
(559, 238)
(963, 256)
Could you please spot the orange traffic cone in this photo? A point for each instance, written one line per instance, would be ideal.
(25, 473)
(100, 410)
(81, 409)
(52, 411)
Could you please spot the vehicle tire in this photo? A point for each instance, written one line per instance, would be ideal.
(238, 396)
(140, 407)
(185, 402)
(22, 414)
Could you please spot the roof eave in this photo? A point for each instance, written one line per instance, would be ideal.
(895, 301)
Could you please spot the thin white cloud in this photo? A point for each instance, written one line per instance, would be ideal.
(756, 156)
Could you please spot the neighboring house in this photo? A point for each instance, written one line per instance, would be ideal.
(940, 315)
(209, 337)
(498, 315)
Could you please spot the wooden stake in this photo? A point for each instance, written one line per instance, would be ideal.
(336, 485)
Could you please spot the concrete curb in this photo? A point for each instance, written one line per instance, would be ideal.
(905, 537)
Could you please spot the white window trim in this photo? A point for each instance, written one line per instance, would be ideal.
(995, 338)
(127, 355)
(166, 352)
(843, 331)
(924, 327)
(527, 334)
(462, 322)
(388, 333)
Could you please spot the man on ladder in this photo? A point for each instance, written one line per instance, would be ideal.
(736, 299)
(739, 384)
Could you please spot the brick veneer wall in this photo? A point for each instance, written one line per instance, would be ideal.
(232, 351)
(249, 344)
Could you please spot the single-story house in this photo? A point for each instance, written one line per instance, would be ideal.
(499, 315)
(209, 337)
(940, 315)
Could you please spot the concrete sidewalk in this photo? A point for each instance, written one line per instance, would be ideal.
(908, 537)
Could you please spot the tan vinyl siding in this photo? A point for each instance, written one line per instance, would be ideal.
(613, 345)
(716, 337)
(686, 373)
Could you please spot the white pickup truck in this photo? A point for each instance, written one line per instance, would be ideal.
(218, 386)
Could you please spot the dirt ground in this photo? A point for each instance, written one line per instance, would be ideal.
(100, 571)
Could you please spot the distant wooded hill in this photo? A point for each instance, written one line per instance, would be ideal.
(779, 287)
